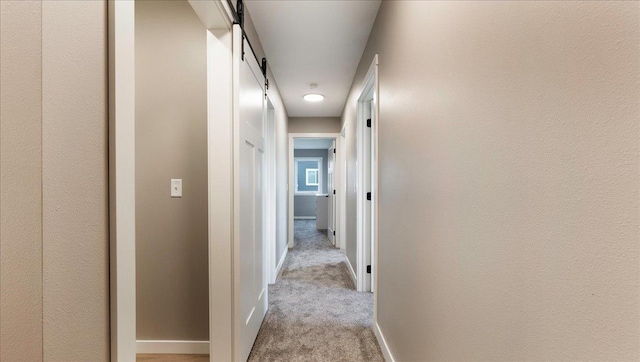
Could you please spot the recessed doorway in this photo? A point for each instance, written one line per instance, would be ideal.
(313, 182)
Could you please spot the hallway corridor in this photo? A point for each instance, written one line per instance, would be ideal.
(315, 314)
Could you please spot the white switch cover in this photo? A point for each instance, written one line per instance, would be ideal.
(176, 187)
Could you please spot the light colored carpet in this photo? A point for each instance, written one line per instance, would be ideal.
(315, 313)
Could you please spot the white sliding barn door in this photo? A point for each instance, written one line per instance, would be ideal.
(250, 287)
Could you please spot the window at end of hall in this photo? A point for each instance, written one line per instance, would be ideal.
(308, 171)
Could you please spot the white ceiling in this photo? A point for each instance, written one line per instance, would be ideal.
(309, 41)
(312, 143)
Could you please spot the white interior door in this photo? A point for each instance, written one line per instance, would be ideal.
(366, 184)
(331, 189)
(368, 244)
(250, 290)
(372, 203)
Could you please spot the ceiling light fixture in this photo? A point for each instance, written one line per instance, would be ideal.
(313, 97)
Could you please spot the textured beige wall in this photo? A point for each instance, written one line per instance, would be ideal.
(75, 181)
(314, 125)
(171, 142)
(21, 181)
(509, 179)
(54, 243)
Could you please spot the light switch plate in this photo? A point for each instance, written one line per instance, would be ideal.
(176, 187)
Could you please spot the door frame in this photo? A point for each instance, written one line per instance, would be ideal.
(122, 181)
(221, 191)
(291, 185)
(216, 16)
(368, 95)
(333, 196)
(342, 197)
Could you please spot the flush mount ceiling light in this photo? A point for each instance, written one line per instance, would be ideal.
(313, 97)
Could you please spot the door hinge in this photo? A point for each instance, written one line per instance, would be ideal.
(334, 192)
(369, 196)
(368, 269)
(334, 150)
(334, 233)
(369, 122)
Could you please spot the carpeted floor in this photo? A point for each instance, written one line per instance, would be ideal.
(315, 314)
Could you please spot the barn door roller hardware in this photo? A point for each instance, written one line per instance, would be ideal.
(238, 13)
(263, 67)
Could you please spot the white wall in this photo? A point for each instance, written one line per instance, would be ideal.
(351, 207)
(282, 175)
(509, 179)
(282, 169)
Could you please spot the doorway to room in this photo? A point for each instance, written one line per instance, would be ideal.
(314, 175)
(367, 181)
(313, 182)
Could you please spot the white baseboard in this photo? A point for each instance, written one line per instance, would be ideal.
(173, 347)
(352, 273)
(304, 217)
(279, 268)
(386, 352)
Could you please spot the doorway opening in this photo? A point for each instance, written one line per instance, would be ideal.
(367, 182)
(313, 182)
(230, 328)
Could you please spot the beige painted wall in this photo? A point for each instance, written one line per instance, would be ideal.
(315, 125)
(21, 181)
(171, 142)
(516, 236)
(53, 130)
